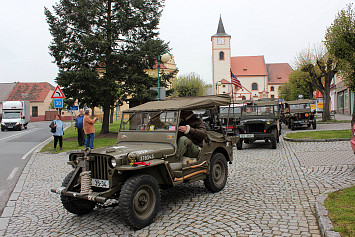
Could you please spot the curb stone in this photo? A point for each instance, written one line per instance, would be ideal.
(317, 140)
(324, 223)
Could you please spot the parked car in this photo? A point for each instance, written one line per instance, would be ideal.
(352, 141)
(298, 113)
(145, 158)
(259, 121)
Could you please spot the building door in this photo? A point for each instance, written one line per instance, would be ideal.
(34, 111)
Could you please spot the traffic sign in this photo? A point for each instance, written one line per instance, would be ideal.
(75, 107)
(58, 103)
(58, 94)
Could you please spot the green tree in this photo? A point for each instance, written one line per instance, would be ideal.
(285, 92)
(299, 83)
(189, 85)
(340, 42)
(117, 37)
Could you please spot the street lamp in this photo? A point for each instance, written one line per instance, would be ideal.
(164, 57)
(218, 83)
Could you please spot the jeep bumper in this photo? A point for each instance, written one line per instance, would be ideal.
(258, 136)
(90, 197)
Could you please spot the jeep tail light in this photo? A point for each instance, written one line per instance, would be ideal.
(264, 131)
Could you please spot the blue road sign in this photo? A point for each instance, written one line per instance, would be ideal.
(75, 107)
(58, 103)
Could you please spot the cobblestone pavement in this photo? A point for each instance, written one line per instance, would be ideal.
(268, 193)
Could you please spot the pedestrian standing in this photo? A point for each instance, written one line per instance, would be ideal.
(89, 129)
(79, 126)
(57, 131)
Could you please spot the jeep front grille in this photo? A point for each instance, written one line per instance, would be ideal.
(99, 167)
(255, 128)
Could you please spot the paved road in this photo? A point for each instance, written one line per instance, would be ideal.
(268, 193)
(15, 149)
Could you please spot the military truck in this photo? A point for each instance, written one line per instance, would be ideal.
(259, 121)
(298, 113)
(145, 159)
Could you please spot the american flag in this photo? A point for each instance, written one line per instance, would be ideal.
(235, 80)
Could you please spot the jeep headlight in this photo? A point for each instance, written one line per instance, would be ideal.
(113, 162)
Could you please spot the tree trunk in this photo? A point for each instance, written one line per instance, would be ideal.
(105, 129)
(111, 114)
(326, 105)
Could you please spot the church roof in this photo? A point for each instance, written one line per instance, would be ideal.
(278, 72)
(248, 66)
(220, 29)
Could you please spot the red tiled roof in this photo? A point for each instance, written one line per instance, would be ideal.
(278, 72)
(248, 66)
(224, 81)
(31, 91)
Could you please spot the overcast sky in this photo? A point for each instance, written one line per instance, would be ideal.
(277, 29)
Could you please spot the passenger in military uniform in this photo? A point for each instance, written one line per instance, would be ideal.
(192, 132)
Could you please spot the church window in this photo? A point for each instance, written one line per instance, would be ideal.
(254, 86)
(221, 55)
(272, 88)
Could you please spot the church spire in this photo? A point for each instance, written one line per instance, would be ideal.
(220, 29)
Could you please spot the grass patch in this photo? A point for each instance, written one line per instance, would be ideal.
(70, 138)
(334, 121)
(330, 134)
(341, 210)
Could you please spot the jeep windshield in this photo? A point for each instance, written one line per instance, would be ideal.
(300, 106)
(231, 110)
(259, 110)
(149, 121)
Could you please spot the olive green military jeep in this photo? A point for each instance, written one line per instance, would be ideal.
(298, 113)
(259, 121)
(145, 158)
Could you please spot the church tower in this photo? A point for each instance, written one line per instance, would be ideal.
(221, 57)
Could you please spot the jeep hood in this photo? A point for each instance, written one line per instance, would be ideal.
(157, 150)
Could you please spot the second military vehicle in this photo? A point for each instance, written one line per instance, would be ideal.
(259, 121)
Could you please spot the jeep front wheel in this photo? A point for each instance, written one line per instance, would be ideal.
(75, 205)
(139, 201)
(217, 177)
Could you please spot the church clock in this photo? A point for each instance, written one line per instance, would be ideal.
(220, 40)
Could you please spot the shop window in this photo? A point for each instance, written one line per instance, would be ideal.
(272, 88)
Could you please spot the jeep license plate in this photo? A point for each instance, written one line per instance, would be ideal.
(101, 183)
(246, 135)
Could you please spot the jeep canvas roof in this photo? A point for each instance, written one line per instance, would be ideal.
(184, 103)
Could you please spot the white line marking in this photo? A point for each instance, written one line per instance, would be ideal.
(19, 134)
(34, 148)
(12, 175)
